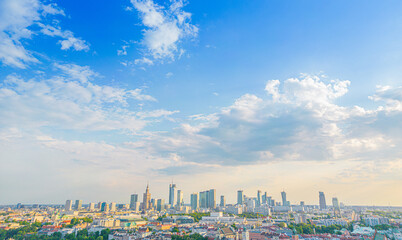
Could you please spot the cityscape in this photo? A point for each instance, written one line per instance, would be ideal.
(201, 120)
(206, 216)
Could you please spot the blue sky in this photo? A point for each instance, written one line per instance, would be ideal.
(266, 95)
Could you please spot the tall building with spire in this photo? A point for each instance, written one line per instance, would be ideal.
(147, 199)
(172, 189)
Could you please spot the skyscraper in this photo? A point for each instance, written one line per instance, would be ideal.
(104, 207)
(335, 203)
(78, 204)
(146, 199)
(222, 203)
(204, 199)
(172, 190)
(160, 205)
(91, 206)
(179, 198)
(212, 198)
(194, 201)
(240, 197)
(258, 198)
(112, 207)
(69, 205)
(264, 198)
(284, 201)
(323, 204)
(133, 200)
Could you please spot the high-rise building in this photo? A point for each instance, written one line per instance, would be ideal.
(204, 199)
(194, 201)
(91, 206)
(160, 205)
(223, 202)
(284, 201)
(104, 207)
(69, 205)
(264, 198)
(172, 190)
(78, 204)
(133, 200)
(146, 203)
(240, 197)
(146, 199)
(323, 204)
(301, 203)
(269, 201)
(112, 207)
(212, 198)
(179, 198)
(335, 203)
(258, 198)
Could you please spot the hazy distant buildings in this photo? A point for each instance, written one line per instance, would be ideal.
(223, 202)
(323, 204)
(69, 205)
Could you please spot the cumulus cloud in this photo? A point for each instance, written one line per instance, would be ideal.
(69, 100)
(298, 120)
(16, 20)
(166, 27)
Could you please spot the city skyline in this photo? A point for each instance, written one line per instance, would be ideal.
(220, 96)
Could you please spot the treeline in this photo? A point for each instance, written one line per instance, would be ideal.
(303, 228)
(195, 236)
(30, 232)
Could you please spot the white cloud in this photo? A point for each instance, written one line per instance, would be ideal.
(70, 101)
(165, 28)
(301, 122)
(69, 41)
(16, 18)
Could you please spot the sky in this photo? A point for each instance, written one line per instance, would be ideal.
(99, 98)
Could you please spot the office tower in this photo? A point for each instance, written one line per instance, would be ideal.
(146, 203)
(160, 205)
(91, 206)
(179, 198)
(78, 204)
(335, 203)
(104, 207)
(323, 204)
(69, 205)
(133, 200)
(204, 199)
(284, 201)
(258, 198)
(172, 190)
(269, 201)
(301, 203)
(240, 197)
(212, 198)
(112, 207)
(194, 201)
(222, 203)
(264, 198)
